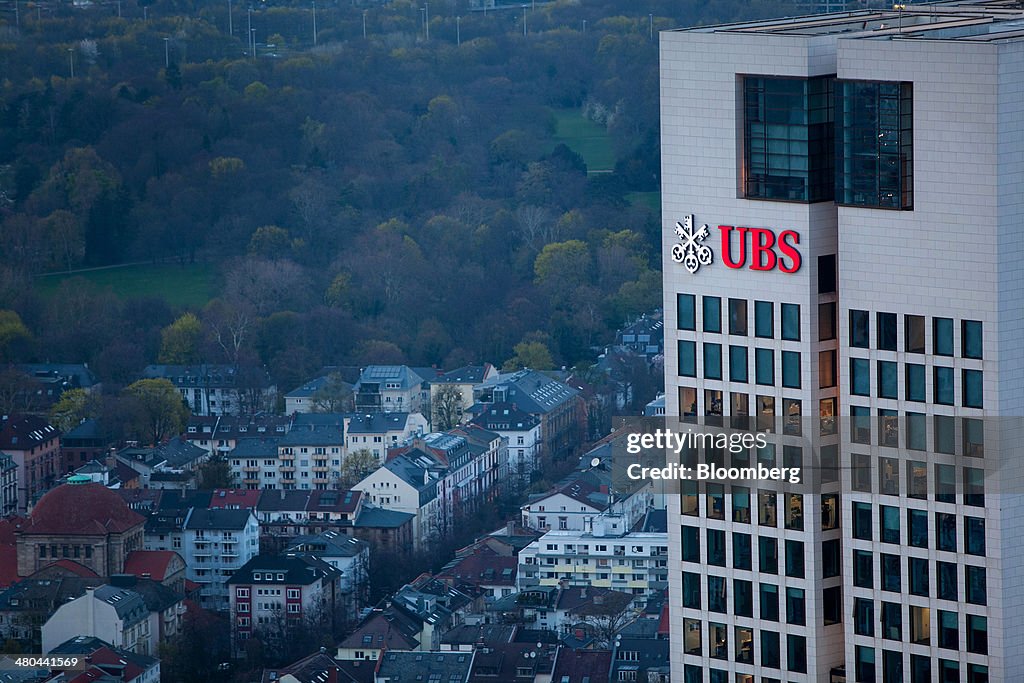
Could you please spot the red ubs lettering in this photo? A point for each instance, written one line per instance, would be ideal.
(763, 245)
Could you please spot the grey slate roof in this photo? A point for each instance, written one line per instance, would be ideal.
(377, 423)
(218, 518)
(468, 374)
(402, 374)
(409, 667)
(265, 447)
(280, 500)
(534, 392)
(379, 518)
(128, 604)
(327, 544)
(290, 570)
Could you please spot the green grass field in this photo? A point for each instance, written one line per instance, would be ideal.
(652, 200)
(586, 138)
(184, 286)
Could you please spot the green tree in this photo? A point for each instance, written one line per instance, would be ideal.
(357, 466)
(215, 473)
(68, 412)
(529, 354)
(15, 338)
(179, 341)
(561, 267)
(157, 408)
(270, 241)
(335, 396)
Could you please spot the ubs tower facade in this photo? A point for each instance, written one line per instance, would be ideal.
(843, 240)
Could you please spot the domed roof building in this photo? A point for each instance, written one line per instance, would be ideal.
(80, 521)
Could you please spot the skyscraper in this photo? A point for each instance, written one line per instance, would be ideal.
(843, 234)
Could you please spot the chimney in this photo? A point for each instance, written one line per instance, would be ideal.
(510, 528)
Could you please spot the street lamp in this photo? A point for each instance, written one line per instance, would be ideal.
(651, 17)
(167, 53)
(364, 24)
(252, 41)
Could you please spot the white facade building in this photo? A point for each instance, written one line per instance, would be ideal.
(216, 544)
(116, 615)
(842, 202)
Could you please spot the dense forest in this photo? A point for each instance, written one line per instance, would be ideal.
(388, 189)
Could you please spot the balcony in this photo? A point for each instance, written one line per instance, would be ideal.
(250, 469)
(323, 469)
(286, 469)
(251, 480)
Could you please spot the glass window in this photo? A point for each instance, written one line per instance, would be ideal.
(889, 476)
(741, 551)
(973, 391)
(888, 379)
(795, 559)
(791, 369)
(863, 569)
(687, 358)
(716, 547)
(892, 667)
(743, 598)
(860, 328)
(945, 532)
(970, 341)
(943, 387)
(691, 590)
(974, 487)
(890, 566)
(942, 336)
(892, 621)
(917, 431)
(888, 429)
(874, 144)
(770, 656)
(826, 273)
(713, 407)
(826, 321)
(794, 507)
(769, 598)
(913, 330)
(691, 637)
(764, 366)
(712, 361)
(949, 630)
(741, 506)
(766, 413)
(738, 364)
(864, 668)
(832, 605)
(712, 313)
(949, 671)
(886, 331)
(788, 138)
(977, 586)
(920, 669)
(738, 317)
(917, 572)
(716, 594)
(686, 312)
(693, 674)
(860, 472)
(977, 673)
(791, 322)
(917, 479)
(831, 558)
(973, 437)
(689, 498)
(915, 382)
(768, 555)
(827, 416)
(688, 403)
(716, 501)
(767, 509)
(793, 410)
(739, 410)
(860, 377)
(945, 483)
(764, 319)
(889, 517)
(744, 645)
(974, 536)
(796, 609)
(860, 424)
(921, 626)
(917, 528)
(977, 634)
(796, 653)
(862, 521)
(826, 369)
(718, 638)
(945, 434)
(864, 617)
(945, 582)
(690, 544)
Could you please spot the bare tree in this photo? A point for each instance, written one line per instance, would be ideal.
(446, 408)
(335, 396)
(536, 226)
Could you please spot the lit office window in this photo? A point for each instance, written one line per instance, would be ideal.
(788, 138)
(917, 479)
(874, 144)
(826, 321)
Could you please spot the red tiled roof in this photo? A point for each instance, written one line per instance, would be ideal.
(82, 509)
(151, 562)
(482, 567)
(8, 526)
(105, 655)
(74, 567)
(8, 565)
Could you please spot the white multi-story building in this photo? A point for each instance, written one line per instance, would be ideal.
(611, 556)
(216, 544)
(842, 207)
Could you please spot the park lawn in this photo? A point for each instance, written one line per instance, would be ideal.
(185, 286)
(651, 200)
(588, 139)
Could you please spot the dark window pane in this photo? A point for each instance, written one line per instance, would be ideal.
(826, 321)
(862, 521)
(860, 377)
(741, 551)
(768, 553)
(913, 329)
(687, 358)
(892, 621)
(716, 594)
(716, 547)
(795, 559)
(743, 598)
(860, 336)
(738, 364)
(791, 322)
(691, 590)
(831, 558)
(686, 312)
(712, 361)
(974, 536)
(917, 529)
(796, 608)
(890, 565)
(888, 380)
(943, 389)
(945, 532)
(769, 598)
(945, 582)
(915, 383)
(738, 317)
(712, 313)
(889, 517)
(764, 319)
(977, 634)
(826, 274)
(770, 656)
(942, 336)
(690, 544)
(971, 339)
(886, 331)
(863, 569)
(796, 656)
(917, 571)
(973, 391)
(977, 585)
(863, 617)
(949, 630)
(764, 366)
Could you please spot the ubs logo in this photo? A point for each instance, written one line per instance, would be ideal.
(753, 248)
